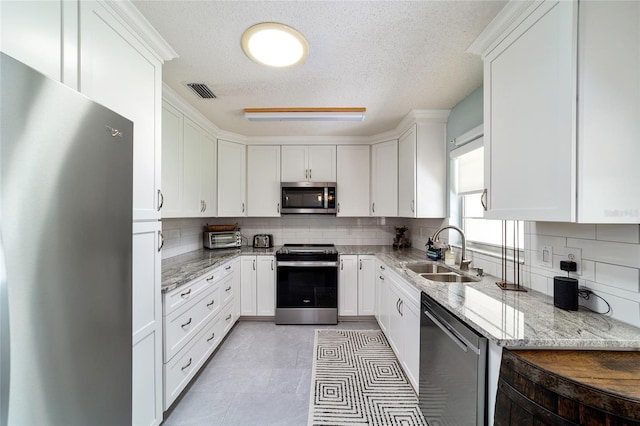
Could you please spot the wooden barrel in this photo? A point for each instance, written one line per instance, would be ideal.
(546, 387)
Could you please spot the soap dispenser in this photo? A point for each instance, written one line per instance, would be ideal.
(450, 257)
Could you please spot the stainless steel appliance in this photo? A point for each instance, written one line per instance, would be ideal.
(308, 197)
(263, 241)
(307, 284)
(66, 172)
(453, 365)
(222, 240)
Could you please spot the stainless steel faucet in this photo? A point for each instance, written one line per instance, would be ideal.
(464, 262)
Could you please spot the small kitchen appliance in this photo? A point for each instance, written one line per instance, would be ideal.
(308, 198)
(565, 293)
(263, 241)
(222, 240)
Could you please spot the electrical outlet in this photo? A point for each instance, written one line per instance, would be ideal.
(546, 256)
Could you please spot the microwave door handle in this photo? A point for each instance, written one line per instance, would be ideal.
(326, 197)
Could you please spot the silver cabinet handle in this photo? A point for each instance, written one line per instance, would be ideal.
(228, 317)
(338, 207)
(306, 173)
(185, 294)
(381, 277)
(186, 324)
(211, 278)
(397, 304)
(211, 303)
(227, 268)
(341, 265)
(205, 205)
(278, 208)
(373, 207)
(401, 308)
(228, 289)
(160, 200)
(483, 199)
(361, 264)
(413, 210)
(242, 207)
(254, 265)
(272, 264)
(161, 238)
(187, 366)
(382, 267)
(200, 206)
(310, 174)
(213, 335)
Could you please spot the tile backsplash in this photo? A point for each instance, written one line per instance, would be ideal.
(183, 235)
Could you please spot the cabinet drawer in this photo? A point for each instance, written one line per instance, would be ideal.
(179, 371)
(227, 319)
(226, 289)
(182, 325)
(178, 297)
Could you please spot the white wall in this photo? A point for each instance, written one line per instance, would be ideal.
(183, 235)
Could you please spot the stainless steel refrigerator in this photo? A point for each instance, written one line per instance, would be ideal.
(66, 166)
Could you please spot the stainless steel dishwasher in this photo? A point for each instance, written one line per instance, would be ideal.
(453, 365)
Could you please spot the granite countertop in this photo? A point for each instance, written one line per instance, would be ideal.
(508, 318)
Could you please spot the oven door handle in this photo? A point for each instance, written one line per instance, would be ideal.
(307, 264)
(464, 344)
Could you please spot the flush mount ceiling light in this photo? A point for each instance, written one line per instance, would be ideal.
(305, 114)
(275, 45)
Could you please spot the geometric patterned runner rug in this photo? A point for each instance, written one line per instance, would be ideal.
(357, 380)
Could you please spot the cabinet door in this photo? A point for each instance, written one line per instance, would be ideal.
(407, 173)
(172, 144)
(146, 325)
(294, 164)
(529, 118)
(32, 33)
(248, 286)
(609, 91)
(348, 286)
(263, 181)
(431, 170)
(395, 334)
(411, 341)
(322, 163)
(208, 175)
(353, 180)
(231, 179)
(266, 286)
(366, 284)
(117, 71)
(191, 172)
(384, 179)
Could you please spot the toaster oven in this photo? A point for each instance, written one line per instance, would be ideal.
(222, 240)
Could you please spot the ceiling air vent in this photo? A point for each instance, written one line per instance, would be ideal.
(202, 90)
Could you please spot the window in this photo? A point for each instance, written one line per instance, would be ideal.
(468, 182)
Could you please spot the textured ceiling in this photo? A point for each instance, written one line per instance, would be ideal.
(388, 56)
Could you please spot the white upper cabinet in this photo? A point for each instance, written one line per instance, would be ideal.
(422, 169)
(384, 179)
(188, 166)
(353, 180)
(263, 181)
(562, 101)
(32, 31)
(313, 163)
(119, 72)
(231, 179)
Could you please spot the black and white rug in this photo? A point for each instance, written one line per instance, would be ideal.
(357, 380)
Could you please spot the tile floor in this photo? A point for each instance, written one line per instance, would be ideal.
(261, 375)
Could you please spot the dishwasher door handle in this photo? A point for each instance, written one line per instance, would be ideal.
(458, 340)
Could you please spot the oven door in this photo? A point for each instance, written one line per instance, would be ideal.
(307, 284)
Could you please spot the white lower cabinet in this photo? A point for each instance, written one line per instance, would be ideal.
(356, 285)
(258, 286)
(402, 302)
(197, 316)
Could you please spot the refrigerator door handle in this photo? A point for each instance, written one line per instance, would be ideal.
(5, 340)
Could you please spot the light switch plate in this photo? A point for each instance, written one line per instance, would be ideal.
(546, 256)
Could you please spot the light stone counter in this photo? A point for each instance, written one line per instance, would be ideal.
(181, 269)
(508, 318)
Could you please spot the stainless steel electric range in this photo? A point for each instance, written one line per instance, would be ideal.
(307, 284)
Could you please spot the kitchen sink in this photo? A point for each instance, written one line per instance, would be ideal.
(451, 277)
(428, 268)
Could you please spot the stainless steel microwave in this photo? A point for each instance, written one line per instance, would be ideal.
(308, 197)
